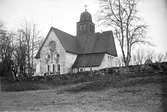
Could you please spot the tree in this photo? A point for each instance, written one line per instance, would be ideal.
(165, 57)
(31, 39)
(119, 62)
(20, 55)
(17, 50)
(6, 50)
(128, 28)
(139, 57)
(160, 57)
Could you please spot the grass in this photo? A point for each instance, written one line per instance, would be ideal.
(114, 93)
(22, 85)
(95, 83)
(26, 85)
(118, 82)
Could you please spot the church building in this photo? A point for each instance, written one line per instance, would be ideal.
(62, 53)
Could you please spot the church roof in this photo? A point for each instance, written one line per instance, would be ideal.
(68, 41)
(88, 60)
(97, 43)
(102, 43)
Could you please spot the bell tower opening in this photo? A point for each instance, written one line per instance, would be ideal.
(85, 25)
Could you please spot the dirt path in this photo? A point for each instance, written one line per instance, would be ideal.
(141, 98)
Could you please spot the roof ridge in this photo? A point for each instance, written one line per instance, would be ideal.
(63, 32)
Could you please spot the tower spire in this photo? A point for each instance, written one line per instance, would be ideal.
(85, 25)
(85, 7)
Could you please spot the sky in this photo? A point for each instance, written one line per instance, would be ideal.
(63, 14)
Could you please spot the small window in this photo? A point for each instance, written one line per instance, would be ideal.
(108, 57)
(81, 70)
(58, 55)
(48, 56)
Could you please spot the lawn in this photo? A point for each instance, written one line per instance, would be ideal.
(138, 94)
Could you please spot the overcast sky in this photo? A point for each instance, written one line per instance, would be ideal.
(63, 14)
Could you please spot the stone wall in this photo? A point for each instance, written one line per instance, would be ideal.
(65, 59)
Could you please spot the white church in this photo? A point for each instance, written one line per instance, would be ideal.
(62, 53)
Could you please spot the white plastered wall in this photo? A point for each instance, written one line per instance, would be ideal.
(65, 59)
(108, 61)
(70, 59)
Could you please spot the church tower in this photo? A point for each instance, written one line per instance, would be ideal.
(85, 25)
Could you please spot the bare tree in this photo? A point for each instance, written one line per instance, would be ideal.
(160, 57)
(119, 61)
(17, 50)
(20, 54)
(6, 50)
(35, 43)
(165, 57)
(31, 39)
(128, 29)
(150, 56)
(139, 57)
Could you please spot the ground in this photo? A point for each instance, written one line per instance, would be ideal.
(136, 98)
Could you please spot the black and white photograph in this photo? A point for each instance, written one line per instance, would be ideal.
(83, 55)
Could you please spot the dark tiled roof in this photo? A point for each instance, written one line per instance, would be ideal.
(98, 43)
(88, 60)
(105, 43)
(68, 41)
(85, 44)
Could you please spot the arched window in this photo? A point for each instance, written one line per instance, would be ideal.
(53, 68)
(58, 67)
(57, 59)
(52, 46)
(52, 56)
(48, 68)
(48, 56)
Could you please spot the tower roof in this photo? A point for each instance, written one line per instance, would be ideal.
(85, 16)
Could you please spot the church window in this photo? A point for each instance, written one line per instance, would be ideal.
(48, 56)
(108, 57)
(52, 46)
(53, 68)
(81, 69)
(48, 68)
(52, 56)
(58, 68)
(57, 60)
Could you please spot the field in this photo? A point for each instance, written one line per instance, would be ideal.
(147, 93)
